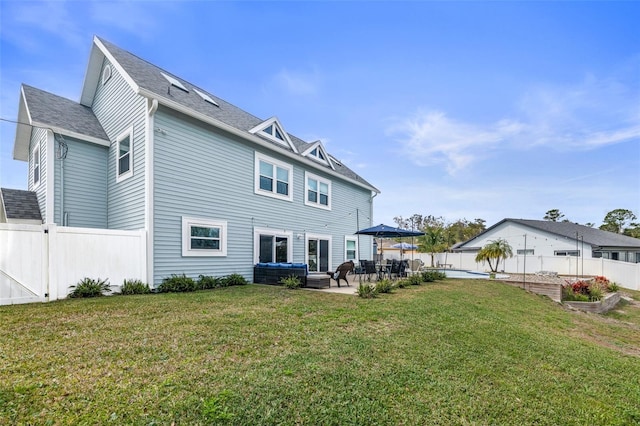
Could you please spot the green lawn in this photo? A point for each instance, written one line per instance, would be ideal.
(454, 352)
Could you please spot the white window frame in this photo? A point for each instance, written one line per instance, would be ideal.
(273, 233)
(356, 260)
(106, 74)
(528, 252)
(37, 165)
(122, 176)
(188, 222)
(319, 179)
(311, 236)
(276, 163)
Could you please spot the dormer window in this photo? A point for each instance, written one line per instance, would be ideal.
(272, 130)
(174, 82)
(318, 154)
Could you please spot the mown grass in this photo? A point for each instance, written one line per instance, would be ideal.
(453, 352)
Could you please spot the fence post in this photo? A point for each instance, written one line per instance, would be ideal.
(50, 249)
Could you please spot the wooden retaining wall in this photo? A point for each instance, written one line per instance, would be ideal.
(552, 291)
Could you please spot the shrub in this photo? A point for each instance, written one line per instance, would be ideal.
(613, 287)
(207, 282)
(234, 279)
(89, 287)
(415, 279)
(383, 286)
(431, 276)
(403, 283)
(596, 291)
(135, 287)
(367, 291)
(177, 284)
(291, 282)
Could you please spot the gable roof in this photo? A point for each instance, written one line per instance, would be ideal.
(593, 236)
(63, 116)
(147, 80)
(20, 205)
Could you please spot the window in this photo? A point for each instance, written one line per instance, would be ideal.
(272, 129)
(528, 252)
(106, 74)
(272, 245)
(204, 237)
(273, 178)
(318, 191)
(124, 155)
(351, 249)
(567, 252)
(36, 166)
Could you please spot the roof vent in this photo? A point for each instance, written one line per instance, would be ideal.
(206, 98)
(174, 82)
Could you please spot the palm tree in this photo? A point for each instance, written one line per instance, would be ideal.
(498, 249)
(432, 242)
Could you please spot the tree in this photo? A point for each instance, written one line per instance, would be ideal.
(617, 220)
(433, 241)
(494, 250)
(553, 215)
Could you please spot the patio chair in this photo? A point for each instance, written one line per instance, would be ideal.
(368, 267)
(342, 271)
(414, 266)
(396, 269)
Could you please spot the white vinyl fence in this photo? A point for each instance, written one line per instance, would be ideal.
(38, 263)
(625, 274)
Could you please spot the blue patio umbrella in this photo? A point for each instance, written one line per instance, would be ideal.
(405, 246)
(386, 231)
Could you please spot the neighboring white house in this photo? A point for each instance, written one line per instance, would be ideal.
(546, 238)
(215, 188)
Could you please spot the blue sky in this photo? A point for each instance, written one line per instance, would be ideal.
(456, 109)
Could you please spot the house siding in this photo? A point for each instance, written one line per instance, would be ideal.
(39, 137)
(119, 108)
(543, 243)
(202, 172)
(85, 185)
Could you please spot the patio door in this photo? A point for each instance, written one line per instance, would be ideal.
(318, 253)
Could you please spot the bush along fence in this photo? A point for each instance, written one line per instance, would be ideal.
(89, 287)
(370, 291)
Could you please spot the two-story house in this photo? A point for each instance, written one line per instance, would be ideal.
(215, 188)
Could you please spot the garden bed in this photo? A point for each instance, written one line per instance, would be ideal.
(601, 306)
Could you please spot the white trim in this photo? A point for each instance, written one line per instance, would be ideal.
(151, 107)
(321, 150)
(318, 179)
(36, 150)
(71, 134)
(275, 233)
(188, 222)
(249, 137)
(122, 176)
(353, 238)
(277, 163)
(106, 74)
(311, 236)
(50, 176)
(273, 121)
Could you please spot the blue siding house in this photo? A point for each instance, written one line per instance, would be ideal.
(216, 189)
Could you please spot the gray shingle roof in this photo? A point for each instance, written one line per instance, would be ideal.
(148, 76)
(593, 236)
(55, 111)
(19, 204)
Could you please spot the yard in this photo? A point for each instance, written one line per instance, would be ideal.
(453, 352)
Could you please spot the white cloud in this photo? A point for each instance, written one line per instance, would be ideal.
(299, 83)
(431, 137)
(588, 115)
